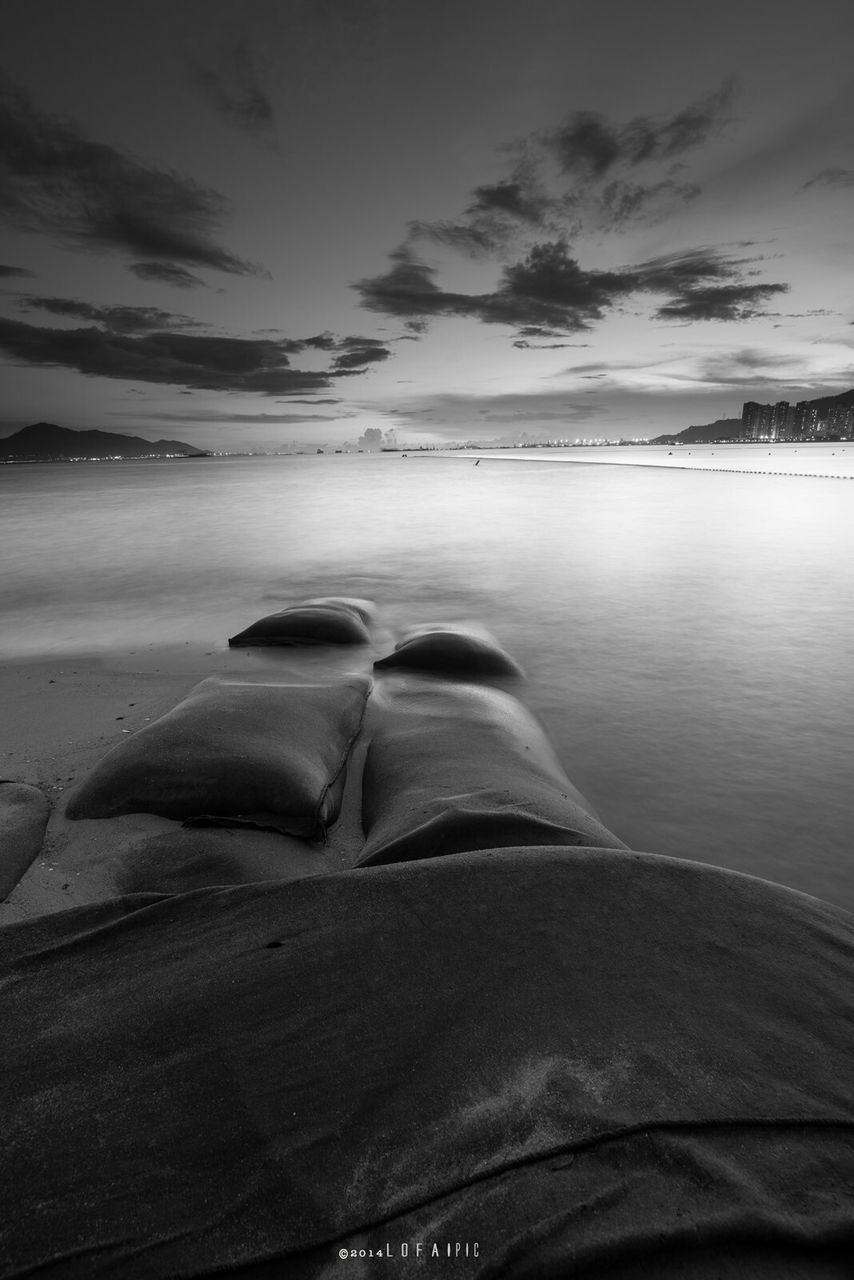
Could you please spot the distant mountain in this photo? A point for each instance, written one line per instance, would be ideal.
(710, 433)
(46, 442)
(844, 400)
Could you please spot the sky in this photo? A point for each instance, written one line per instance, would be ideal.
(247, 225)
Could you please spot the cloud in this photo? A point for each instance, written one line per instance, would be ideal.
(747, 366)
(55, 180)
(8, 273)
(180, 359)
(216, 416)
(720, 302)
(831, 178)
(548, 289)
(548, 292)
(585, 174)
(359, 357)
(167, 273)
(495, 218)
(234, 89)
(480, 417)
(524, 345)
(117, 319)
(587, 144)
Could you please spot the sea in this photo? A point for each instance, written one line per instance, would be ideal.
(686, 625)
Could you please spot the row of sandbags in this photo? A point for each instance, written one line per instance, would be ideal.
(270, 756)
(345, 620)
(449, 767)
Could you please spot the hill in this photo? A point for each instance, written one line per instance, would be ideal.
(46, 442)
(710, 433)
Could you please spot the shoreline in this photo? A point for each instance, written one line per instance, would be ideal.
(677, 459)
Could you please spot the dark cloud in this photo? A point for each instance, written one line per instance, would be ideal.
(233, 87)
(586, 174)
(167, 273)
(549, 294)
(8, 273)
(179, 359)
(359, 357)
(524, 345)
(588, 144)
(328, 400)
(495, 217)
(547, 289)
(118, 319)
(720, 302)
(54, 180)
(831, 178)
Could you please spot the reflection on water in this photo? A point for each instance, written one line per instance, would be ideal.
(687, 635)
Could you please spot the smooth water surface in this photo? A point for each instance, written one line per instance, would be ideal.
(688, 635)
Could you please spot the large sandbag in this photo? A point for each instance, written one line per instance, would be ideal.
(306, 624)
(575, 1063)
(24, 811)
(272, 753)
(197, 858)
(453, 767)
(366, 609)
(461, 651)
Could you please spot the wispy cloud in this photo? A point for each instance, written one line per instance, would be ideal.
(234, 87)
(10, 273)
(117, 319)
(831, 178)
(587, 173)
(455, 417)
(55, 180)
(167, 273)
(588, 144)
(217, 416)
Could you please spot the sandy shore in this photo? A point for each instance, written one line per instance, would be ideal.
(63, 714)
(814, 462)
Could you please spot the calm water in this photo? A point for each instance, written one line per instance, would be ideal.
(688, 635)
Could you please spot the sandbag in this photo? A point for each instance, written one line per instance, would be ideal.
(366, 609)
(273, 753)
(462, 651)
(304, 625)
(24, 812)
(575, 1063)
(456, 767)
(193, 858)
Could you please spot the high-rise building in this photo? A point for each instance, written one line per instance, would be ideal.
(756, 421)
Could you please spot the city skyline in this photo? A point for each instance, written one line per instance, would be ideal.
(300, 220)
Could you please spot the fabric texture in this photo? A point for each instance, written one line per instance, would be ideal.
(197, 858)
(454, 767)
(275, 754)
(579, 1059)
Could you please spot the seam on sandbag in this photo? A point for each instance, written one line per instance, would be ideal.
(319, 828)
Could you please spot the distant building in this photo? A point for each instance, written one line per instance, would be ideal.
(756, 421)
